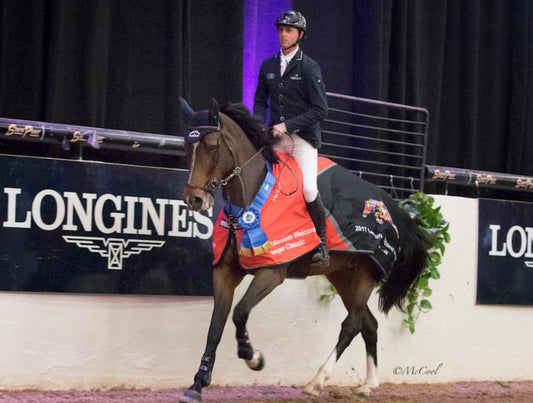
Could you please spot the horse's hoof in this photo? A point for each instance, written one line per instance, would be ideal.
(191, 395)
(364, 390)
(257, 363)
(312, 389)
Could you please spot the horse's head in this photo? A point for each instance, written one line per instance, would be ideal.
(210, 156)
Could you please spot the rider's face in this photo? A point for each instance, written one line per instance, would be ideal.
(288, 36)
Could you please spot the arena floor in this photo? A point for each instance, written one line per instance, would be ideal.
(435, 393)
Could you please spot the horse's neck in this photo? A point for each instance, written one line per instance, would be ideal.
(242, 192)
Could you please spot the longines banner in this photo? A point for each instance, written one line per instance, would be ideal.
(505, 253)
(77, 226)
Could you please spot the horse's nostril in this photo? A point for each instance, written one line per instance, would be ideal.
(196, 203)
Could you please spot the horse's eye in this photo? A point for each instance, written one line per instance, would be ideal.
(212, 149)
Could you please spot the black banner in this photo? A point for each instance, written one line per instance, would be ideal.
(505, 253)
(86, 227)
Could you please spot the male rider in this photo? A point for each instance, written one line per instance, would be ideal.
(290, 84)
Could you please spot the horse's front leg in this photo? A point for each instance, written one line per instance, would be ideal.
(226, 277)
(264, 282)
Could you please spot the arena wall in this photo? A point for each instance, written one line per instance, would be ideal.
(65, 341)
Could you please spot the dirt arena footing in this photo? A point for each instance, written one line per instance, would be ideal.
(520, 391)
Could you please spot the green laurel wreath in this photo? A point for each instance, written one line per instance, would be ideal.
(421, 208)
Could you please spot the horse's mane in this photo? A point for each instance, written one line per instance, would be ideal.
(253, 127)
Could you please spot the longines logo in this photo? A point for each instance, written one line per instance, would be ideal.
(107, 214)
(518, 243)
(115, 249)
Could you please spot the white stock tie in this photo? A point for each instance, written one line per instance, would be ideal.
(283, 65)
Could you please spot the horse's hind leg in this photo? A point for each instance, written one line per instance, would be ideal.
(369, 332)
(354, 284)
(264, 282)
(226, 277)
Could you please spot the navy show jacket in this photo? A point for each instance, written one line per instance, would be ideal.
(298, 98)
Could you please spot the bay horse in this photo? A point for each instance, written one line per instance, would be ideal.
(228, 149)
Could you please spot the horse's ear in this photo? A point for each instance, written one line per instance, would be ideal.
(214, 110)
(186, 108)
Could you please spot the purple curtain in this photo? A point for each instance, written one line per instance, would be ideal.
(260, 41)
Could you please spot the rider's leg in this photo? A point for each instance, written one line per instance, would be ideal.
(318, 215)
(306, 157)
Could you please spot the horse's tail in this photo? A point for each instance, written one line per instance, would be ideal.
(412, 258)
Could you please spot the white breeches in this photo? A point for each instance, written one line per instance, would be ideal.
(306, 156)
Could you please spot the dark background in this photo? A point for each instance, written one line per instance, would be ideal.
(122, 65)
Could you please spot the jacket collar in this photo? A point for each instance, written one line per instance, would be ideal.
(297, 56)
(295, 60)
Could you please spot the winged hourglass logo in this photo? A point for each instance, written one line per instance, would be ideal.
(115, 249)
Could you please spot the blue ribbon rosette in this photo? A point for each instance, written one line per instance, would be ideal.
(254, 239)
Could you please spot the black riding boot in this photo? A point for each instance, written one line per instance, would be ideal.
(318, 215)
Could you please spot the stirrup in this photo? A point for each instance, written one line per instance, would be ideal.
(321, 256)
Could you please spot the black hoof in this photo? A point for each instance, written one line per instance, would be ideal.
(260, 365)
(191, 395)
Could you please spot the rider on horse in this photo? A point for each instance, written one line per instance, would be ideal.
(292, 83)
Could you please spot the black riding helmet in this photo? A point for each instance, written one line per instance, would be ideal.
(293, 19)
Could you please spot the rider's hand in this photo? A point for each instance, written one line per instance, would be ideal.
(279, 130)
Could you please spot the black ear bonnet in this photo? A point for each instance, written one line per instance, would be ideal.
(201, 122)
